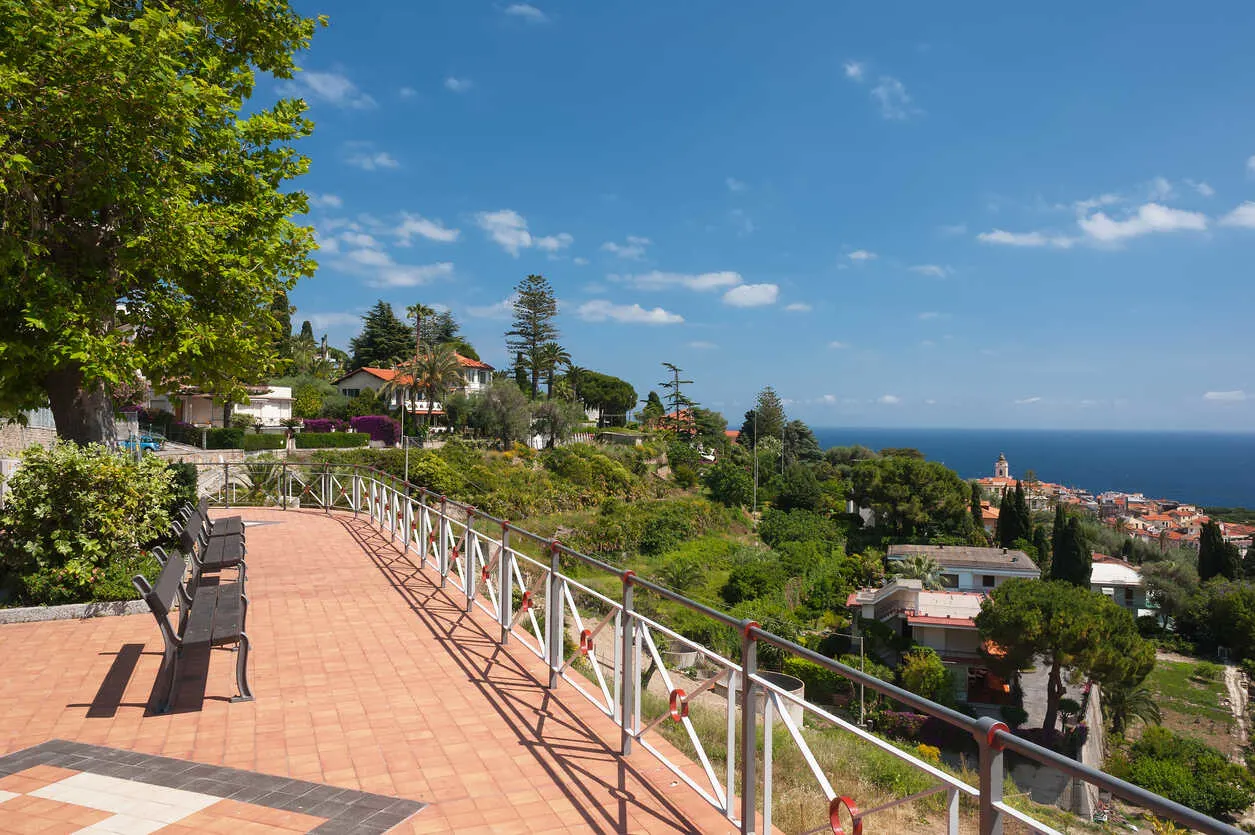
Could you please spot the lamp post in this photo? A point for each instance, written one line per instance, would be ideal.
(755, 452)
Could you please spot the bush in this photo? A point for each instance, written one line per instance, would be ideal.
(1206, 671)
(586, 466)
(684, 476)
(821, 683)
(331, 440)
(317, 425)
(796, 526)
(751, 580)
(729, 484)
(184, 480)
(1187, 771)
(228, 438)
(379, 427)
(269, 440)
(1013, 715)
(77, 523)
(924, 673)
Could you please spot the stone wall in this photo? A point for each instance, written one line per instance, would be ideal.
(15, 437)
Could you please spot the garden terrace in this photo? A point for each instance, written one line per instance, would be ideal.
(413, 651)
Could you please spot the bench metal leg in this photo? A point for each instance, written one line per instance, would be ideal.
(169, 666)
(241, 672)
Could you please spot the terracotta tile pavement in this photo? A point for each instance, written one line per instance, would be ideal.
(367, 677)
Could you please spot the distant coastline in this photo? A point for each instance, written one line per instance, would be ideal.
(1206, 468)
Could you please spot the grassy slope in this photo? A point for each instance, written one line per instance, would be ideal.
(1190, 706)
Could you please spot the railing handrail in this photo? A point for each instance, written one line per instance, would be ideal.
(992, 736)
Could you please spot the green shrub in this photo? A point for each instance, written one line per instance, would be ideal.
(78, 521)
(923, 672)
(584, 465)
(1013, 715)
(1187, 771)
(184, 480)
(331, 440)
(271, 440)
(796, 526)
(1206, 671)
(821, 683)
(220, 438)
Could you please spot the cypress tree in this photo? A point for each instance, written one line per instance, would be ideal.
(1217, 557)
(977, 518)
(1024, 519)
(1073, 561)
(1057, 531)
(1042, 543)
(1010, 522)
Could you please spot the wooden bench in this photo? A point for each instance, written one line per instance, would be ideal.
(211, 614)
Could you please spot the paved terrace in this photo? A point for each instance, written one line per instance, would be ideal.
(368, 677)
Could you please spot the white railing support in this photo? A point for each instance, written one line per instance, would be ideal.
(749, 730)
(630, 664)
(553, 615)
(505, 585)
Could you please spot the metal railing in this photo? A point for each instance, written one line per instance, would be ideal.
(531, 597)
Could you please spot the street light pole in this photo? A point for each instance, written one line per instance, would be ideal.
(755, 450)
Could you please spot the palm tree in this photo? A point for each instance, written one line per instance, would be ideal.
(1121, 705)
(551, 356)
(923, 568)
(575, 376)
(402, 383)
(436, 372)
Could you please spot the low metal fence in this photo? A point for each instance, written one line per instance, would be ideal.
(532, 597)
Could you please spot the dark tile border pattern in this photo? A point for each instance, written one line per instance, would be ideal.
(346, 810)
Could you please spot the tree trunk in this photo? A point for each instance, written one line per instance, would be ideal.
(1054, 692)
(83, 415)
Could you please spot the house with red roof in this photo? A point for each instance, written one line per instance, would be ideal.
(477, 376)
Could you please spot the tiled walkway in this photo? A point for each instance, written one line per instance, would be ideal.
(368, 678)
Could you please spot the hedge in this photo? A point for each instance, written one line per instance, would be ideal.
(318, 425)
(228, 438)
(269, 440)
(331, 440)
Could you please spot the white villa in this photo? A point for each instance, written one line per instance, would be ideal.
(1122, 582)
(969, 568)
(267, 405)
(477, 377)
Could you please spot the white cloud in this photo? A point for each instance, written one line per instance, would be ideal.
(1150, 217)
(432, 230)
(633, 250)
(600, 310)
(891, 95)
(332, 88)
(403, 275)
(930, 314)
(934, 270)
(407, 92)
(889, 400)
(656, 280)
(752, 295)
(1201, 187)
(798, 307)
(1234, 396)
(503, 309)
(999, 236)
(1027, 400)
(862, 255)
(734, 184)
(458, 85)
(854, 70)
(508, 229)
(837, 345)
(1243, 216)
(1250, 165)
(372, 160)
(1160, 189)
(360, 239)
(370, 257)
(699, 345)
(329, 320)
(553, 243)
(324, 201)
(953, 229)
(828, 399)
(579, 262)
(526, 11)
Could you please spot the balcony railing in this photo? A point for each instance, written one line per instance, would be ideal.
(533, 597)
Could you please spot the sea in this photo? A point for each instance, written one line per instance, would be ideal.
(1206, 468)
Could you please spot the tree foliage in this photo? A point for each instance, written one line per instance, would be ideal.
(729, 484)
(1071, 629)
(144, 228)
(923, 672)
(1187, 771)
(912, 497)
(1072, 561)
(765, 420)
(611, 396)
(383, 341)
(535, 307)
(1217, 557)
(502, 413)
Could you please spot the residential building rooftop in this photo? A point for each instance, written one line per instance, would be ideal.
(968, 556)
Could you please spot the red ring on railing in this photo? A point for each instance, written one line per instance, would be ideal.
(526, 602)
(679, 704)
(455, 554)
(993, 731)
(554, 545)
(627, 576)
(483, 574)
(751, 624)
(586, 642)
(834, 816)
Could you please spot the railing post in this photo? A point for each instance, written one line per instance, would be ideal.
(357, 492)
(553, 615)
(284, 486)
(991, 774)
(749, 729)
(442, 552)
(505, 584)
(407, 522)
(470, 577)
(226, 483)
(630, 665)
(952, 812)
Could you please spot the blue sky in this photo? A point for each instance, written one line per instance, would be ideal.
(898, 215)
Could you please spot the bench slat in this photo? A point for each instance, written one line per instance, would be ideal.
(215, 617)
(167, 587)
(223, 552)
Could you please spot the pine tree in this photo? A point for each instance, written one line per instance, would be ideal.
(383, 340)
(765, 420)
(535, 307)
(307, 331)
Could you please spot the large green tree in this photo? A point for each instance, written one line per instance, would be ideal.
(145, 226)
(1217, 557)
(765, 420)
(1070, 629)
(535, 307)
(384, 340)
(1014, 521)
(912, 497)
(1072, 562)
(611, 396)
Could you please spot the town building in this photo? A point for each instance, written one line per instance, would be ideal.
(267, 405)
(1122, 582)
(969, 568)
